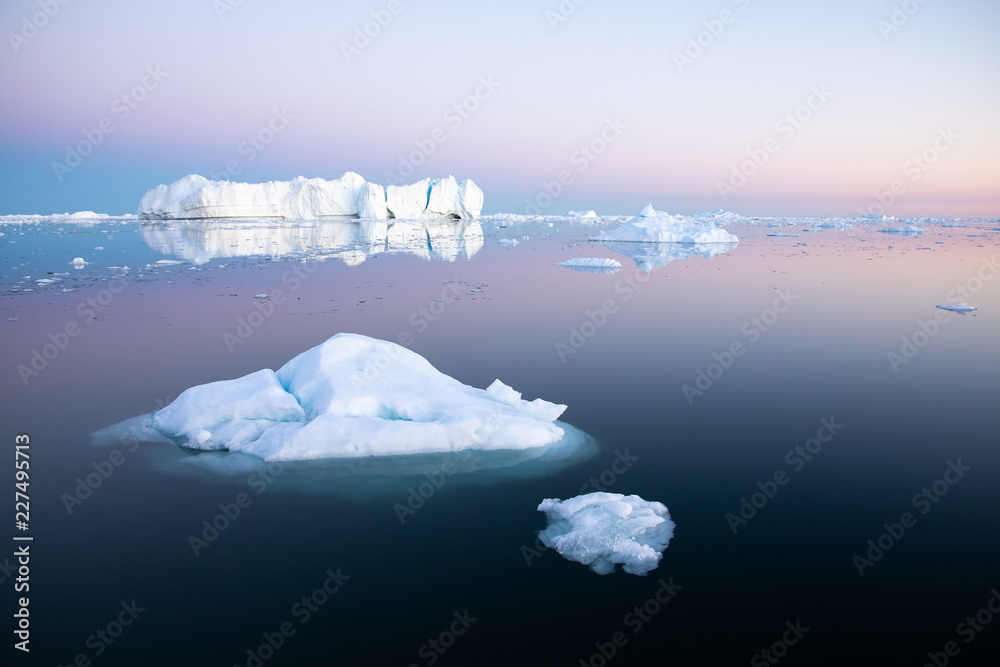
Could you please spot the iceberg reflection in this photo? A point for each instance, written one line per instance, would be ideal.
(649, 256)
(350, 241)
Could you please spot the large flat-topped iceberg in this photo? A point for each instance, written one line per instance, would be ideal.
(350, 196)
(652, 226)
(602, 530)
(354, 396)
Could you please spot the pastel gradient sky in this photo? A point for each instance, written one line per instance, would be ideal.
(681, 130)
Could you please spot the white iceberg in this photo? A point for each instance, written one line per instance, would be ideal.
(652, 226)
(962, 308)
(582, 214)
(905, 230)
(602, 530)
(196, 197)
(79, 262)
(592, 264)
(721, 214)
(352, 397)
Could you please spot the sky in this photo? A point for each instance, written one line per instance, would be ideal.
(762, 107)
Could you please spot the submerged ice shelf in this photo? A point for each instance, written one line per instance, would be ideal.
(352, 397)
(602, 530)
(350, 196)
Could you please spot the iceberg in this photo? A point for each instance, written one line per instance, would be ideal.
(602, 530)
(591, 265)
(350, 196)
(962, 308)
(721, 214)
(652, 226)
(906, 230)
(582, 214)
(353, 397)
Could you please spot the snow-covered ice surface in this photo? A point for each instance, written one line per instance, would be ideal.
(350, 196)
(591, 264)
(602, 530)
(355, 397)
(652, 226)
(962, 308)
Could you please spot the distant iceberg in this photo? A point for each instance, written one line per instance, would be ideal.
(582, 214)
(353, 397)
(591, 264)
(350, 196)
(652, 226)
(962, 308)
(602, 530)
(727, 216)
(906, 230)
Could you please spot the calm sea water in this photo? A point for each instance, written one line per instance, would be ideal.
(840, 332)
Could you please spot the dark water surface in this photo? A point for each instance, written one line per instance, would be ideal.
(901, 425)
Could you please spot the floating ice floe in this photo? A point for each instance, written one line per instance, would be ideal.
(652, 226)
(905, 230)
(962, 308)
(509, 242)
(353, 397)
(591, 264)
(582, 214)
(349, 196)
(79, 262)
(779, 234)
(602, 530)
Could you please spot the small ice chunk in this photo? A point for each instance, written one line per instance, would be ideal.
(79, 262)
(602, 530)
(905, 230)
(510, 242)
(962, 308)
(199, 436)
(168, 262)
(260, 296)
(591, 264)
